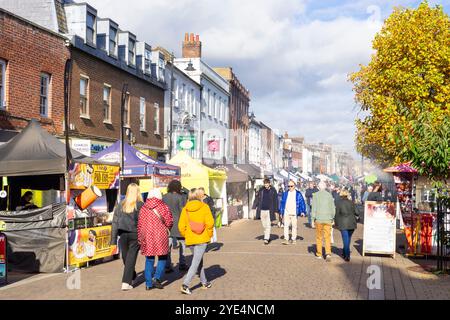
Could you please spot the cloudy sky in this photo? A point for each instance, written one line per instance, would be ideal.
(293, 55)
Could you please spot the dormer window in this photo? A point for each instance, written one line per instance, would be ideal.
(90, 28)
(112, 41)
(148, 62)
(131, 52)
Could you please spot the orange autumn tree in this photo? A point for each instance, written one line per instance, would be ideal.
(408, 74)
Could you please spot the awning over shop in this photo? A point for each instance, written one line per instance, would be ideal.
(304, 176)
(136, 163)
(323, 177)
(35, 152)
(252, 170)
(195, 175)
(234, 174)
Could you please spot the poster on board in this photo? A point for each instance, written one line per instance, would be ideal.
(379, 228)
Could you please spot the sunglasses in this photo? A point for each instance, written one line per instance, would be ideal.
(291, 186)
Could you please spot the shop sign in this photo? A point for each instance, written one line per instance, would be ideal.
(379, 228)
(213, 145)
(186, 143)
(82, 146)
(90, 244)
(82, 176)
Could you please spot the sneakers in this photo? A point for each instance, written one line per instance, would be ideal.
(157, 284)
(126, 286)
(206, 285)
(285, 242)
(185, 289)
(294, 242)
(319, 257)
(266, 242)
(328, 258)
(347, 259)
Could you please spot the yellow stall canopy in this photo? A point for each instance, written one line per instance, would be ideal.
(195, 175)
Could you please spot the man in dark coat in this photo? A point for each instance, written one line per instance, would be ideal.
(267, 207)
(176, 200)
(308, 195)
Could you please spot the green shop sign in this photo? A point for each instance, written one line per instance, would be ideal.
(186, 143)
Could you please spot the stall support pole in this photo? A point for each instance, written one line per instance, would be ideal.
(67, 76)
(122, 108)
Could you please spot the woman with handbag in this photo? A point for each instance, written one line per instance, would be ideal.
(155, 222)
(196, 225)
(124, 224)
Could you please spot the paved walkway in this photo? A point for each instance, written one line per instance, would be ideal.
(241, 267)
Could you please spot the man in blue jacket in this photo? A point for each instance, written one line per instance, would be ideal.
(292, 205)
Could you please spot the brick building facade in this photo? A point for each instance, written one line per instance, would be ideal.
(32, 61)
(239, 116)
(94, 125)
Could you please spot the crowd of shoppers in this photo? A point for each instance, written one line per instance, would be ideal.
(156, 226)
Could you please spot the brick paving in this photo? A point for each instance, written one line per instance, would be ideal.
(241, 267)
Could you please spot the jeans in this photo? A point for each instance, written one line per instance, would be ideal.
(129, 248)
(323, 230)
(346, 239)
(174, 242)
(149, 267)
(267, 224)
(198, 251)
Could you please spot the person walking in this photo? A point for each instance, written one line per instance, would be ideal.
(154, 224)
(292, 205)
(323, 212)
(196, 226)
(124, 225)
(308, 195)
(176, 201)
(266, 207)
(366, 194)
(346, 221)
(376, 195)
(208, 200)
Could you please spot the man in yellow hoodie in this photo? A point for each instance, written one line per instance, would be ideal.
(199, 212)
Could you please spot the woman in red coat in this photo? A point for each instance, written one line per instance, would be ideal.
(155, 222)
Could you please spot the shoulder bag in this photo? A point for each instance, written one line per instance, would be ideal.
(196, 227)
(162, 221)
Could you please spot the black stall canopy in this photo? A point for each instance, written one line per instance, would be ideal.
(35, 152)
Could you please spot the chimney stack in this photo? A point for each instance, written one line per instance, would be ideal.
(192, 46)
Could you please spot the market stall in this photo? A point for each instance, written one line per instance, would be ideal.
(419, 224)
(237, 192)
(32, 171)
(195, 175)
(255, 182)
(140, 168)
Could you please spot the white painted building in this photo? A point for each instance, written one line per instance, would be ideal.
(185, 104)
(255, 142)
(214, 108)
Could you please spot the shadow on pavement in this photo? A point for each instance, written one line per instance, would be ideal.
(272, 237)
(214, 246)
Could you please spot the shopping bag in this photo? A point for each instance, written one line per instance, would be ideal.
(218, 222)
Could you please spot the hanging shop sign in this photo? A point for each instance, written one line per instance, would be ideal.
(83, 176)
(379, 228)
(186, 143)
(90, 244)
(213, 145)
